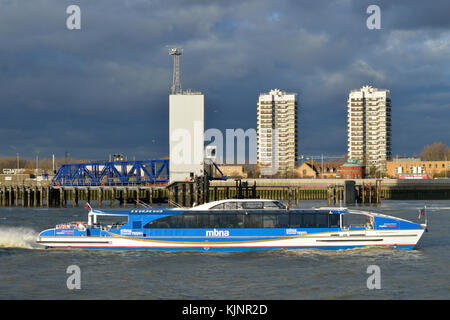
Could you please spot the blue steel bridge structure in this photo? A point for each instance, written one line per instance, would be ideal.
(147, 172)
(107, 173)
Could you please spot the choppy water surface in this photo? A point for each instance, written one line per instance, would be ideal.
(28, 272)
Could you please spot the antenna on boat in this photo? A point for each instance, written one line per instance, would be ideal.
(87, 206)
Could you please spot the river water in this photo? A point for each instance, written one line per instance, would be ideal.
(29, 272)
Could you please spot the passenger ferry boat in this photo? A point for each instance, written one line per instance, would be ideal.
(233, 225)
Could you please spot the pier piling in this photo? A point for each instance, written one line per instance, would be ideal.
(202, 190)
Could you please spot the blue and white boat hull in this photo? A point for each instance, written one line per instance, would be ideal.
(214, 227)
(402, 239)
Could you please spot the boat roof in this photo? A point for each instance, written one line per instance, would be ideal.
(208, 206)
(211, 204)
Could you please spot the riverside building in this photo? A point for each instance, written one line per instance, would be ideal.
(277, 132)
(369, 127)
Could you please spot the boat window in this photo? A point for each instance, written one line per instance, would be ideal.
(295, 220)
(354, 220)
(226, 221)
(175, 221)
(205, 220)
(111, 220)
(230, 206)
(190, 221)
(273, 205)
(322, 220)
(280, 205)
(269, 221)
(334, 220)
(240, 221)
(253, 220)
(252, 205)
(218, 207)
(309, 220)
(283, 221)
(167, 222)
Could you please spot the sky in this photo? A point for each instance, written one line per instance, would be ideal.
(103, 89)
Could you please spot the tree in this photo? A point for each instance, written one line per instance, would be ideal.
(438, 151)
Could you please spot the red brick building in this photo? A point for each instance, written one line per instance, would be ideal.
(352, 170)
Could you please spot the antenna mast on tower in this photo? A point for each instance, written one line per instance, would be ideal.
(176, 84)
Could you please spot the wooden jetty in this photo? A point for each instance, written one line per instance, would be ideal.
(51, 196)
(187, 194)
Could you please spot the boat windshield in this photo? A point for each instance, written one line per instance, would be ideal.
(351, 220)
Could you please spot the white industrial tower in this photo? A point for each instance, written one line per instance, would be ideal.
(186, 128)
(176, 82)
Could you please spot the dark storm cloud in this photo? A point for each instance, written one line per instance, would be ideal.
(104, 88)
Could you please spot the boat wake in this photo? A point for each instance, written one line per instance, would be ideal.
(18, 237)
(368, 252)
